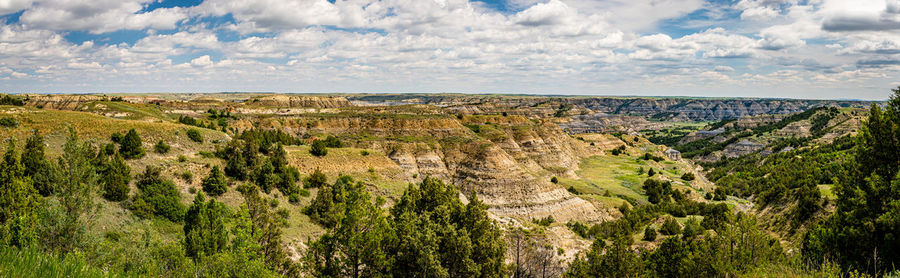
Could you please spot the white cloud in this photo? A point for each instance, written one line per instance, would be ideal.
(11, 6)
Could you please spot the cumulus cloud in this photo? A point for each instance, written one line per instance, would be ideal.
(536, 46)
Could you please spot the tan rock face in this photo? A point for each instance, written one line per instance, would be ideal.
(509, 172)
(61, 102)
(301, 101)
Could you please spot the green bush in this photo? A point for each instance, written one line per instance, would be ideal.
(157, 196)
(649, 234)
(554, 180)
(688, 176)
(10, 100)
(115, 177)
(316, 179)
(131, 145)
(161, 147)
(194, 135)
(546, 221)
(670, 227)
(364, 152)
(8, 122)
(318, 148)
(215, 184)
(333, 142)
(295, 198)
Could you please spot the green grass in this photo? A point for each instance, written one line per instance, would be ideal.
(827, 191)
(35, 263)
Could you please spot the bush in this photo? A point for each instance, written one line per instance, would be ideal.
(651, 172)
(364, 152)
(295, 198)
(649, 234)
(115, 178)
(116, 137)
(318, 148)
(182, 158)
(187, 176)
(10, 100)
(572, 190)
(194, 135)
(618, 150)
(131, 146)
(554, 180)
(157, 196)
(670, 227)
(688, 177)
(8, 122)
(215, 184)
(333, 142)
(546, 221)
(304, 192)
(161, 147)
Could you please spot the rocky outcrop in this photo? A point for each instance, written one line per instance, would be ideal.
(61, 102)
(605, 123)
(301, 101)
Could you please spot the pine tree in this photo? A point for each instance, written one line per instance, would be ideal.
(215, 184)
(115, 179)
(204, 228)
(18, 202)
(131, 146)
(318, 148)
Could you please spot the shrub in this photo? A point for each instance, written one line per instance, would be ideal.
(157, 196)
(572, 190)
(333, 142)
(304, 192)
(554, 180)
(618, 150)
(10, 100)
(364, 152)
(182, 158)
(670, 227)
(194, 135)
(649, 233)
(546, 221)
(295, 198)
(187, 176)
(8, 122)
(215, 184)
(318, 148)
(115, 178)
(116, 137)
(131, 146)
(651, 172)
(688, 176)
(161, 147)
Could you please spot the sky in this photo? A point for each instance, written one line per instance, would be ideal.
(819, 49)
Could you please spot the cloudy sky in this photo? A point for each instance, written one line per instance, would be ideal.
(847, 49)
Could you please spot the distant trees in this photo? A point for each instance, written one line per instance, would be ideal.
(688, 176)
(657, 191)
(131, 145)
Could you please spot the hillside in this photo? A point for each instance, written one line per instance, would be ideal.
(560, 170)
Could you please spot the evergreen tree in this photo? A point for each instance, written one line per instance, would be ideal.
(862, 233)
(43, 173)
(67, 224)
(115, 178)
(215, 184)
(236, 167)
(649, 234)
(318, 148)
(157, 196)
(131, 145)
(18, 202)
(204, 228)
(316, 180)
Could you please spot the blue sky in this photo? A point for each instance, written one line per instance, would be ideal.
(823, 49)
